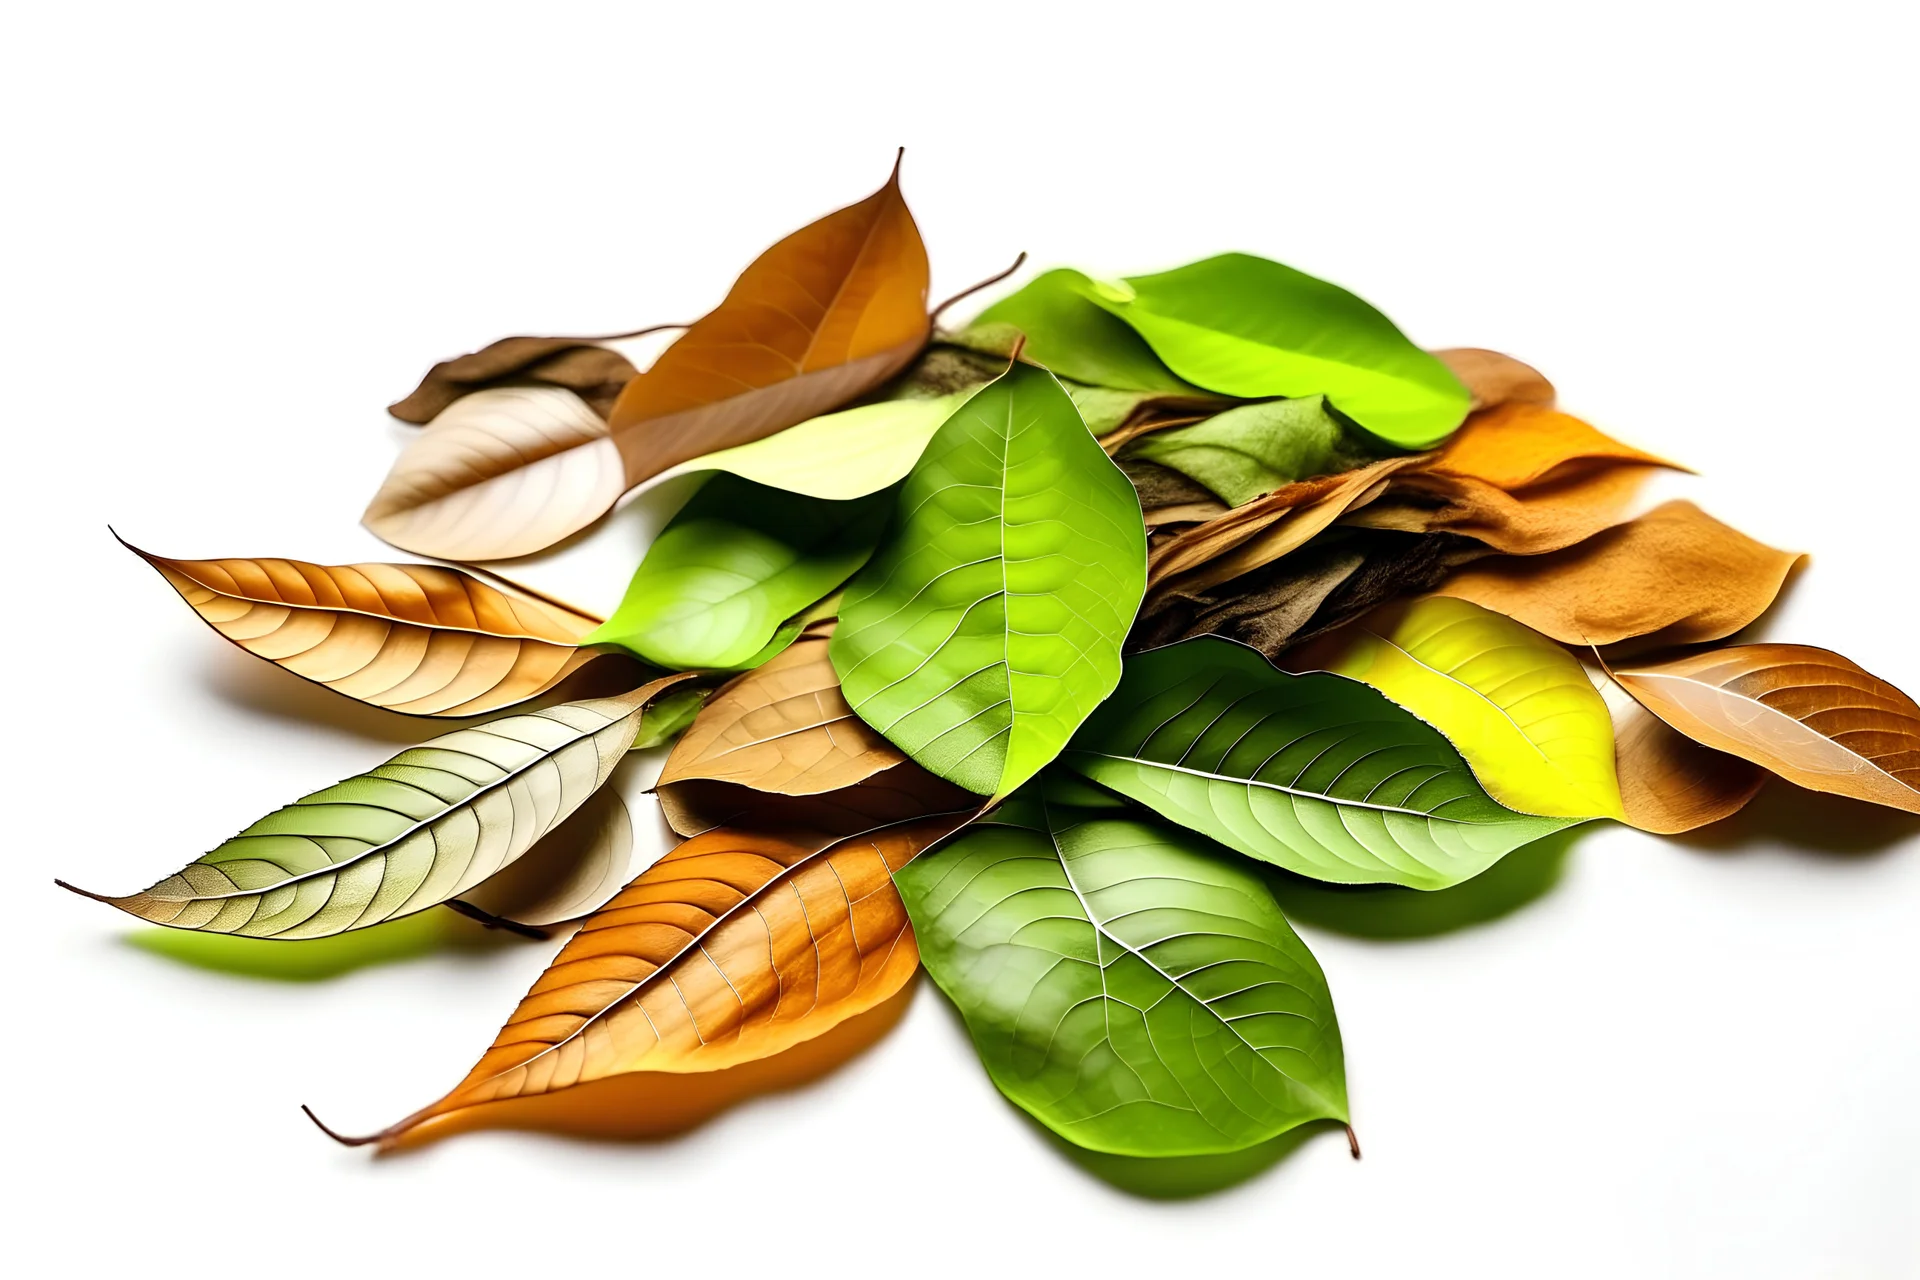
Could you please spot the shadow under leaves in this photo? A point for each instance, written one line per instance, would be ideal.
(1808, 822)
(433, 932)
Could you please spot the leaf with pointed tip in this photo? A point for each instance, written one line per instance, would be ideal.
(1669, 784)
(584, 366)
(1809, 715)
(990, 621)
(734, 565)
(1316, 773)
(570, 872)
(1515, 704)
(1519, 444)
(1244, 326)
(1132, 986)
(428, 825)
(416, 638)
(1257, 448)
(732, 947)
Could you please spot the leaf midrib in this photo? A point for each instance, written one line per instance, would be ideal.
(1272, 786)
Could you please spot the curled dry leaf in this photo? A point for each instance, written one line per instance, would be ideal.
(1675, 571)
(417, 638)
(734, 946)
(1519, 444)
(1669, 783)
(593, 372)
(1807, 714)
(1493, 379)
(427, 826)
(574, 869)
(1531, 521)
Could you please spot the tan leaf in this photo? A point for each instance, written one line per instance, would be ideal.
(1675, 570)
(573, 870)
(1807, 714)
(1520, 444)
(416, 638)
(593, 372)
(733, 947)
(782, 727)
(1669, 784)
(831, 311)
(900, 794)
(500, 473)
(1530, 521)
(1494, 379)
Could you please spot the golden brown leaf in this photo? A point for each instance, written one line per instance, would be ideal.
(1669, 784)
(593, 372)
(733, 947)
(1519, 444)
(829, 312)
(1494, 379)
(416, 638)
(1675, 570)
(1807, 714)
(1532, 520)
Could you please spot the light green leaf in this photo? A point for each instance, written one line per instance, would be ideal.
(1244, 326)
(1518, 706)
(989, 623)
(1131, 985)
(1071, 335)
(1257, 448)
(839, 455)
(1315, 773)
(428, 825)
(669, 715)
(737, 562)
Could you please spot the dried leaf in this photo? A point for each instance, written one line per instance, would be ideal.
(1807, 714)
(1531, 521)
(828, 313)
(500, 473)
(571, 872)
(1520, 444)
(734, 946)
(1675, 571)
(1668, 783)
(593, 372)
(902, 793)
(1493, 379)
(416, 638)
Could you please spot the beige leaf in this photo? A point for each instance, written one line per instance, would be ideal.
(1668, 783)
(1494, 379)
(571, 872)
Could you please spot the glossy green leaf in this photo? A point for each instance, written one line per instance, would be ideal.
(1131, 985)
(989, 623)
(1257, 448)
(1315, 773)
(837, 456)
(1070, 334)
(430, 824)
(1515, 704)
(738, 561)
(1244, 326)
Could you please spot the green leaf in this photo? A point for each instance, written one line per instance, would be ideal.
(989, 624)
(838, 455)
(427, 826)
(1518, 706)
(1315, 773)
(737, 562)
(1071, 335)
(1131, 985)
(1257, 448)
(668, 717)
(1247, 327)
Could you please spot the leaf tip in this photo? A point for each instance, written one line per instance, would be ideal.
(85, 893)
(340, 1138)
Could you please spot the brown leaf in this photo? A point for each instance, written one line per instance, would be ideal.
(1669, 784)
(733, 947)
(1494, 379)
(1675, 571)
(831, 311)
(570, 872)
(416, 638)
(1530, 521)
(593, 372)
(1807, 714)
(1519, 444)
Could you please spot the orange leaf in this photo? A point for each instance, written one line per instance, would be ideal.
(1521, 444)
(1535, 519)
(1668, 783)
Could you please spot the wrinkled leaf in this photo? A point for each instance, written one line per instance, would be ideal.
(426, 826)
(990, 621)
(1675, 572)
(1517, 706)
(1247, 327)
(1069, 333)
(571, 872)
(1257, 448)
(732, 947)
(1493, 379)
(591, 371)
(1132, 986)
(841, 455)
(738, 561)
(1316, 773)
(500, 473)
(1530, 521)
(1807, 714)
(416, 638)
(1668, 783)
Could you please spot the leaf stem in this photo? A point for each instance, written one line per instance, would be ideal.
(492, 921)
(933, 320)
(340, 1138)
(637, 333)
(1353, 1140)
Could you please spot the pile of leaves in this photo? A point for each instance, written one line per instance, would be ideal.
(1025, 650)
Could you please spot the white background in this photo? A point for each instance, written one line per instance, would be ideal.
(234, 233)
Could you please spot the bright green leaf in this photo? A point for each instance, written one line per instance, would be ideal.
(1257, 448)
(1244, 326)
(1518, 706)
(839, 455)
(1133, 986)
(989, 624)
(738, 561)
(1072, 336)
(1315, 773)
(669, 715)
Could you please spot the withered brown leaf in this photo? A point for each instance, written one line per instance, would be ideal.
(1669, 783)
(593, 372)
